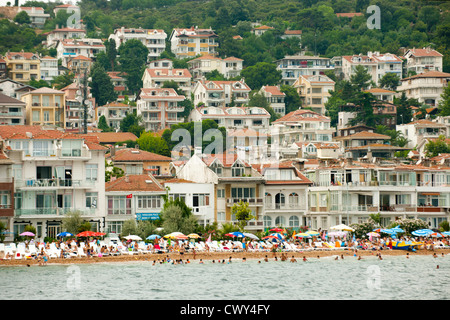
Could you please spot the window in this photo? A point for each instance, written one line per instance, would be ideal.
(41, 148)
(293, 200)
(47, 116)
(119, 205)
(71, 148)
(180, 196)
(91, 199)
(220, 193)
(17, 171)
(18, 200)
(115, 227)
(294, 221)
(91, 172)
(4, 199)
(242, 192)
(267, 221)
(221, 216)
(147, 202)
(280, 221)
(36, 115)
(237, 171)
(200, 200)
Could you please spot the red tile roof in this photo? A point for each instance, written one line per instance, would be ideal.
(113, 137)
(425, 52)
(138, 183)
(131, 154)
(302, 115)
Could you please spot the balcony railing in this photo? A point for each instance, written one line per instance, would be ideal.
(250, 201)
(287, 206)
(52, 211)
(53, 183)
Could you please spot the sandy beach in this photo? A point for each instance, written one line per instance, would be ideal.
(205, 256)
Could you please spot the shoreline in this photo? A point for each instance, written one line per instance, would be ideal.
(220, 256)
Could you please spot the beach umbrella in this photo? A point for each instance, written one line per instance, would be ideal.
(64, 234)
(446, 233)
(238, 234)
(87, 234)
(397, 229)
(276, 230)
(27, 233)
(153, 237)
(302, 235)
(250, 235)
(99, 234)
(313, 233)
(342, 227)
(193, 235)
(277, 235)
(173, 235)
(373, 234)
(422, 232)
(133, 237)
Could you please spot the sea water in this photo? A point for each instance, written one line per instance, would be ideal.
(393, 278)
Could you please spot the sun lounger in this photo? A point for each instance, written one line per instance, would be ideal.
(2, 247)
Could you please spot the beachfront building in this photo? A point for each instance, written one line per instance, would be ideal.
(425, 87)
(229, 67)
(23, 66)
(348, 192)
(54, 173)
(190, 42)
(45, 106)
(301, 126)
(234, 181)
(292, 67)
(132, 197)
(12, 111)
(153, 39)
(314, 91)
(233, 118)
(159, 108)
(285, 195)
(221, 93)
(377, 65)
(275, 98)
(155, 78)
(423, 60)
(136, 161)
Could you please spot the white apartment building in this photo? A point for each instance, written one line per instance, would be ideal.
(292, 67)
(234, 117)
(275, 98)
(426, 87)
(159, 108)
(37, 15)
(155, 78)
(423, 60)
(221, 93)
(348, 192)
(59, 34)
(12, 111)
(114, 113)
(190, 42)
(420, 130)
(14, 89)
(301, 126)
(71, 48)
(54, 173)
(229, 67)
(49, 68)
(376, 64)
(153, 39)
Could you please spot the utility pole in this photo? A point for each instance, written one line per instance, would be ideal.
(85, 103)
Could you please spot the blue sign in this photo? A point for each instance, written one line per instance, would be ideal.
(147, 216)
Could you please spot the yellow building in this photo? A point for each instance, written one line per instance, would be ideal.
(314, 91)
(23, 66)
(45, 106)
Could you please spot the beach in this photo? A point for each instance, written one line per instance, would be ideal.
(237, 256)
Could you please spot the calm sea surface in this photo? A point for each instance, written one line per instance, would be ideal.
(393, 278)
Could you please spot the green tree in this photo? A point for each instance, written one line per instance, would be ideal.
(111, 53)
(292, 99)
(389, 81)
(437, 146)
(102, 88)
(243, 214)
(103, 125)
(173, 220)
(361, 78)
(22, 18)
(132, 123)
(149, 141)
(63, 80)
(72, 222)
(112, 171)
(133, 58)
(259, 100)
(444, 104)
(262, 73)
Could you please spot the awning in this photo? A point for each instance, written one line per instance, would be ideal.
(430, 193)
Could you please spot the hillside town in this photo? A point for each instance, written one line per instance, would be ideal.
(91, 145)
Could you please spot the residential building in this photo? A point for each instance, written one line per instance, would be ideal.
(159, 108)
(198, 196)
(37, 15)
(54, 173)
(137, 197)
(317, 150)
(120, 84)
(160, 64)
(230, 67)
(153, 39)
(386, 111)
(292, 34)
(80, 64)
(134, 161)
(12, 111)
(259, 31)
(155, 78)
(14, 89)
(275, 98)
(377, 65)
(190, 42)
(70, 48)
(221, 93)
(301, 126)
(60, 34)
(3, 68)
(382, 94)
(423, 60)
(234, 117)
(6, 190)
(285, 195)
(65, 7)
(348, 192)
(114, 113)
(419, 130)
(234, 181)
(49, 68)
(314, 91)
(45, 106)
(425, 87)
(75, 110)
(112, 138)
(23, 66)
(292, 67)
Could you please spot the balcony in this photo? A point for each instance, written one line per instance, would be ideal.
(53, 184)
(251, 201)
(281, 206)
(52, 212)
